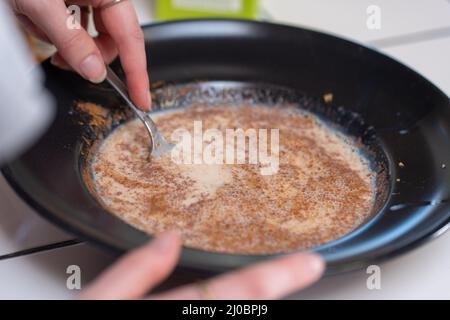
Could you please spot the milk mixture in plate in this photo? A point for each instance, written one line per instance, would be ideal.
(323, 188)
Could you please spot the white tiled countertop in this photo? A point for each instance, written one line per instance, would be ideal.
(34, 254)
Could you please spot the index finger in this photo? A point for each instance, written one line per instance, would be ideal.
(266, 280)
(121, 22)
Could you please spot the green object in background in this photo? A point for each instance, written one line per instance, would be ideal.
(183, 9)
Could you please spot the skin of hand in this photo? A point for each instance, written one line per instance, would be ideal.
(139, 271)
(118, 33)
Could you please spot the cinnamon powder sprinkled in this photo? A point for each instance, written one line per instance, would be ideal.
(323, 189)
(98, 116)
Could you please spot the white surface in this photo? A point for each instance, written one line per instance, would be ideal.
(422, 273)
(419, 274)
(429, 58)
(43, 275)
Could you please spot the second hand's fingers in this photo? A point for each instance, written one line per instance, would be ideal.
(267, 280)
(103, 41)
(136, 273)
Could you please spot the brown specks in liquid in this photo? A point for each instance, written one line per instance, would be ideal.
(323, 189)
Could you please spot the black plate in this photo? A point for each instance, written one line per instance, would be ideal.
(404, 117)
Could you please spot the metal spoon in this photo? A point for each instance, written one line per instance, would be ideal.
(158, 145)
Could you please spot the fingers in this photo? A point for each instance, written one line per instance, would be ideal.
(120, 22)
(136, 273)
(31, 28)
(73, 43)
(267, 280)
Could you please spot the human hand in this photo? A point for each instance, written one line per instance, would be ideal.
(119, 33)
(141, 270)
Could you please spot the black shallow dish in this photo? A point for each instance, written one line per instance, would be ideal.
(409, 117)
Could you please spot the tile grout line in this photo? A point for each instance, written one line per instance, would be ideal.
(39, 249)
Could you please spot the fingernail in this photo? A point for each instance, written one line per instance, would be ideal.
(93, 69)
(165, 241)
(315, 264)
(148, 104)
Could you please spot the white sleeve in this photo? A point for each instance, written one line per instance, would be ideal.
(25, 107)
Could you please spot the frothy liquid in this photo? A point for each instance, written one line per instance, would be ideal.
(323, 189)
